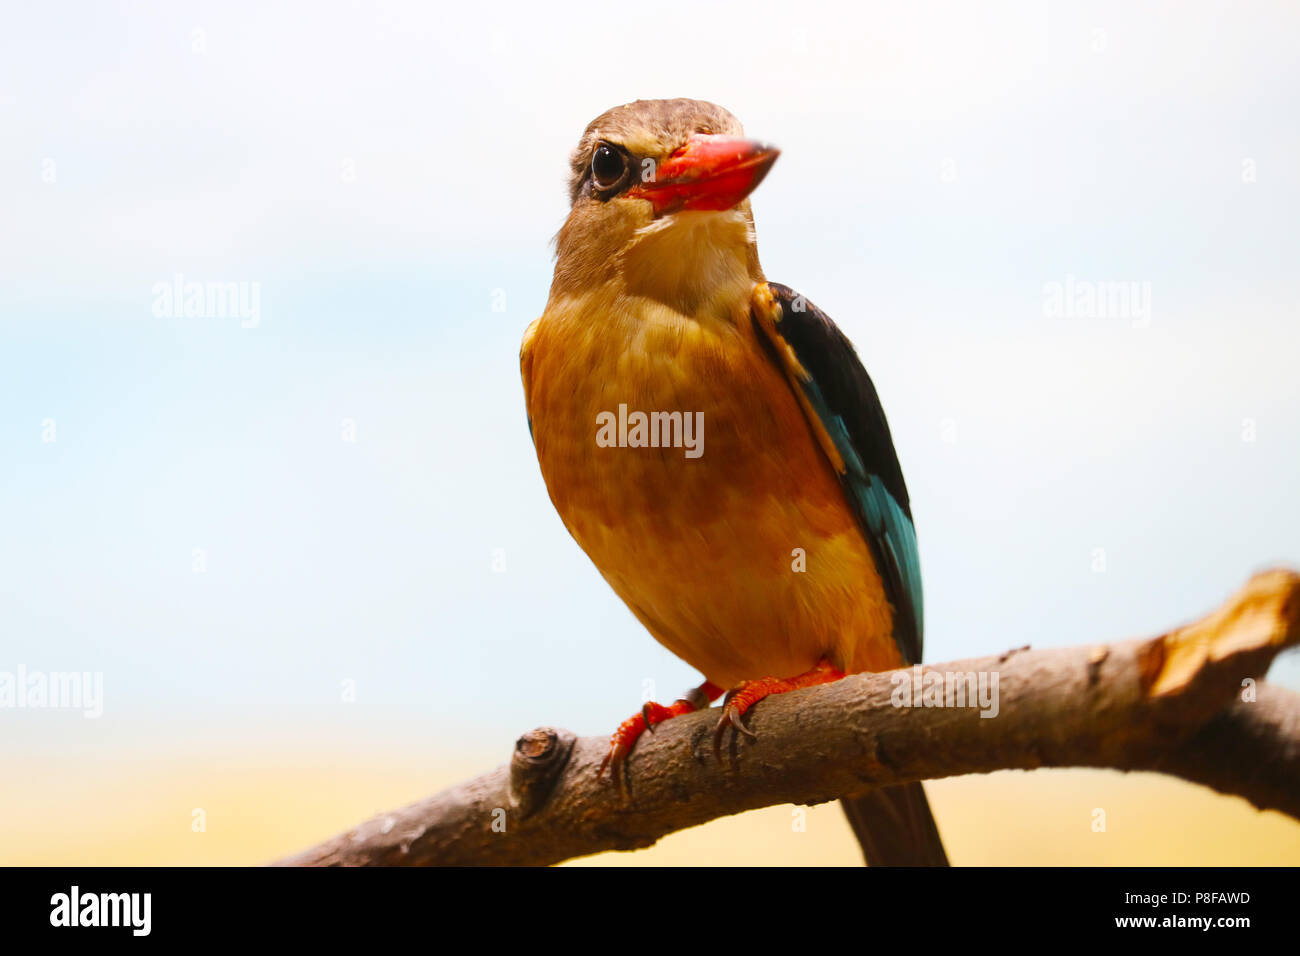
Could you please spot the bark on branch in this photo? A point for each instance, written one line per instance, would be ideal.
(1190, 703)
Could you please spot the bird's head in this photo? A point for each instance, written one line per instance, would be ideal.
(658, 192)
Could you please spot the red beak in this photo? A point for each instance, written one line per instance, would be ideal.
(709, 172)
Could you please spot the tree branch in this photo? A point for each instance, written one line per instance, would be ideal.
(1186, 703)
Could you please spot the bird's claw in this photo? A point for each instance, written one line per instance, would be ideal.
(620, 745)
(731, 714)
(740, 699)
(625, 738)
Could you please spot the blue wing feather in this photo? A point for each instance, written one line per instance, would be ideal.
(845, 400)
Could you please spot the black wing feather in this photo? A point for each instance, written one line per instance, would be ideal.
(841, 392)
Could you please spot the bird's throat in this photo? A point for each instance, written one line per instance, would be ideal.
(700, 264)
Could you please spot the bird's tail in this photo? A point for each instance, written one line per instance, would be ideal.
(895, 827)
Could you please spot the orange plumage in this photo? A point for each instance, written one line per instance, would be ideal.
(704, 550)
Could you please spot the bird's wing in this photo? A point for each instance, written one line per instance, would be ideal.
(846, 416)
(526, 369)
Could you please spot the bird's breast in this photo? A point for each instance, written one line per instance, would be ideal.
(679, 459)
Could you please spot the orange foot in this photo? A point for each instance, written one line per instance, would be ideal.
(740, 699)
(623, 740)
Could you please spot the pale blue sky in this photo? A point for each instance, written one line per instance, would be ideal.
(382, 170)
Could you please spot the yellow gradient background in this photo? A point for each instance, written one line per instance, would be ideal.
(258, 808)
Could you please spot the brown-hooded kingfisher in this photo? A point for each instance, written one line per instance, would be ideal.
(659, 306)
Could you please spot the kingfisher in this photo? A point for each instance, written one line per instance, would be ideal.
(713, 443)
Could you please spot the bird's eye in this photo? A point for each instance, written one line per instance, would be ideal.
(608, 166)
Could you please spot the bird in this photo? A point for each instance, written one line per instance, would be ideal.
(714, 444)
